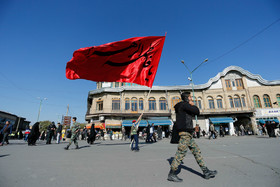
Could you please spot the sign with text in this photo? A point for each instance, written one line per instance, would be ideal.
(66, 120)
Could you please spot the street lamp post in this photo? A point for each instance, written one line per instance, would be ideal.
(191, 79)
(41, 100)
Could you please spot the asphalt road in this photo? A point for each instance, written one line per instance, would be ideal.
(240, 161)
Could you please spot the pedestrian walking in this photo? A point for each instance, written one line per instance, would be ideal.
(123, 134)
(159, 132)
(34, 134)
(134, 134)
(222, 131)
(58, 133)
(211, 131)
(75, 130)
(92, 135)
(197, 131)
(51, 129)
(26, 134)
(184, 126)
(242, 129)
(5, 131)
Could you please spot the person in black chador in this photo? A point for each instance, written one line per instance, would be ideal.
(184, 127)
(91, 137)
(51, 129)
(34, 134)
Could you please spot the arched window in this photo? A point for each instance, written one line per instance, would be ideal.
(278, 99)
(257, 101)
(162, 103)
(134, 104)
(115, 104)
(243, 100)
(141, 104)
(237, 102)
(174, 101)
(127, 104)
(230, 102)
(266, 99)
(219, 101)
(152, 103)
(211, 102)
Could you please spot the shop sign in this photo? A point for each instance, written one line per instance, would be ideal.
(273, 112)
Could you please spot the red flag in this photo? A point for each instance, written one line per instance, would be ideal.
(133, 60)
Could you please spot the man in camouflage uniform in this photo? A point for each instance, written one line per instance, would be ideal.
(75, 129)
(184, 125)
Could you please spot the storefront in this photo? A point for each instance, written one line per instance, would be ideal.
(226, 122)
(115, 125)
(272, 114)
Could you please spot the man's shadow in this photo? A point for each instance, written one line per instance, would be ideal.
(184, 167)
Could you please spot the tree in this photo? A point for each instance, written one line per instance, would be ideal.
(44, 125)
(82, 125)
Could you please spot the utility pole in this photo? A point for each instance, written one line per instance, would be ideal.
(191, 79)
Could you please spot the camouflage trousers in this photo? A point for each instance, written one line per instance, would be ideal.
(186, 141)
(73, 139)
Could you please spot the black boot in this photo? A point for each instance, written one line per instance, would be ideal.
(77, 147)
(67, 147)
(173, 177)
(207, 174)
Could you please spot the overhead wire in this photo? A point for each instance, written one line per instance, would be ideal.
(244, 42)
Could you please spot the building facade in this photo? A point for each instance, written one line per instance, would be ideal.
(231, 98)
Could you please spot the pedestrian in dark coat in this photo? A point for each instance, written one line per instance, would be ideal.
(184, 125)
(92, 135)
(34, 134)
(51, 129)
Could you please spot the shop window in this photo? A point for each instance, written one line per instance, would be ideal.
(228, 85)
(127, 104)
(117, 84)
(134, 104)
(267, 102)
(257, 101)
(162, 103)
(152, 103)
(116, 104)
(231, 102)
(237, 102)
(99, 105)
(174, 101)
(211, 103)
(141, 104)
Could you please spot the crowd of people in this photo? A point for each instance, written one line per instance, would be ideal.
(183, 134)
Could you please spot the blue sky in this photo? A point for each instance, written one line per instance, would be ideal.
(38, 38)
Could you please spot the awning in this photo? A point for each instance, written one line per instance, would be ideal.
(161, 122)
(97, 125)
(143, 123)
(128, 123)
(262, 121)
(113, 124)
(221, 120)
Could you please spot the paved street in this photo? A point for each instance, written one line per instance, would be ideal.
(240, 161)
